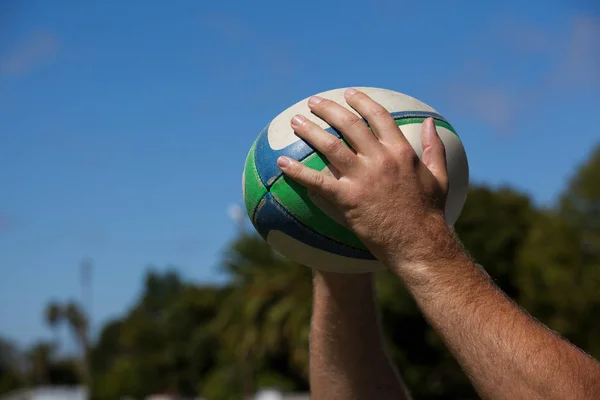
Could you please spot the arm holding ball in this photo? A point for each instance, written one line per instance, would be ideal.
(504, 351)
(348, 359)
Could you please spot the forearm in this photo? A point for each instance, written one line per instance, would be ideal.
(505, 352)
(348, 357)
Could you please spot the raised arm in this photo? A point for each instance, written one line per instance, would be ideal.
(505, 352)
(394, 202)
(348, 359)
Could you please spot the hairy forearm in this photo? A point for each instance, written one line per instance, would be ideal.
(505, 352)
(348, 357)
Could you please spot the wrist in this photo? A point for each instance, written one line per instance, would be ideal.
(434, 245)
(347, 293)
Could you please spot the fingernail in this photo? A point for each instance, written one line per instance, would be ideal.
(283, 162)
(428, 134)
(314, 100)
(297, 120)
(431, 132)
(350, 91)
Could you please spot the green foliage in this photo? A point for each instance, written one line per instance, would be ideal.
(493, 227)
(38, 365)
(40, 357)
(227, 341)
(10, 378)
(164, 344)
(560, 265)
(268, 308)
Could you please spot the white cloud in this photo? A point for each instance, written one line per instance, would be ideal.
(490, 105)
(579, 65)
(563, 62)
(28, 54)
(519, 36)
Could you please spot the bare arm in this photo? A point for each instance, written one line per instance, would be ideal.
(348, 359)
(395, 202)
(506, 353)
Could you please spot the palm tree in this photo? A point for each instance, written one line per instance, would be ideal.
(13, 372)
(71, 313)
(54, 315)
(268, 307)
(40, 358)
(79, 326)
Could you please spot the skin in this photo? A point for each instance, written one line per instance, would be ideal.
(504, 351)
(348, 359)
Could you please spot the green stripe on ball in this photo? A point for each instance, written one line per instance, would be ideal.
(254, 190)
(420, 120)
(294, 198)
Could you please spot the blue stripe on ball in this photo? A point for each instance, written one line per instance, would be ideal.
(270, 215)
(266, 157)
(417, 114)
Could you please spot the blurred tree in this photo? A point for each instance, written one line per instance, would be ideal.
(54, 317)
(70, 313)
(78, 323)
(493, 227)
(40, 358)
(38, 365)
(580, 206)
(107, 347)
(266, 311)
(222, 342)
(11, 376)
(560, 266)
(64, 371)
(193, 350)
(163, 345)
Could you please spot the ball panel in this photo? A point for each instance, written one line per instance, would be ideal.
(295, 199)
(253, 188)
(316, 258)
(458, 175)
(266, 157)
(281, 135)
(270, 215)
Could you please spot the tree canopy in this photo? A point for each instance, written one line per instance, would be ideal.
(221, 341)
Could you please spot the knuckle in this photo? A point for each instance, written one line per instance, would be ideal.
(347, 159)
(387, 162)
(294, 169)
(378, 111)
(318, 180)
(351, 120)
(331, 144)
(308, 128)
(406, 152)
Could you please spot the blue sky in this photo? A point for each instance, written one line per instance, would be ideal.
(124, 125)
